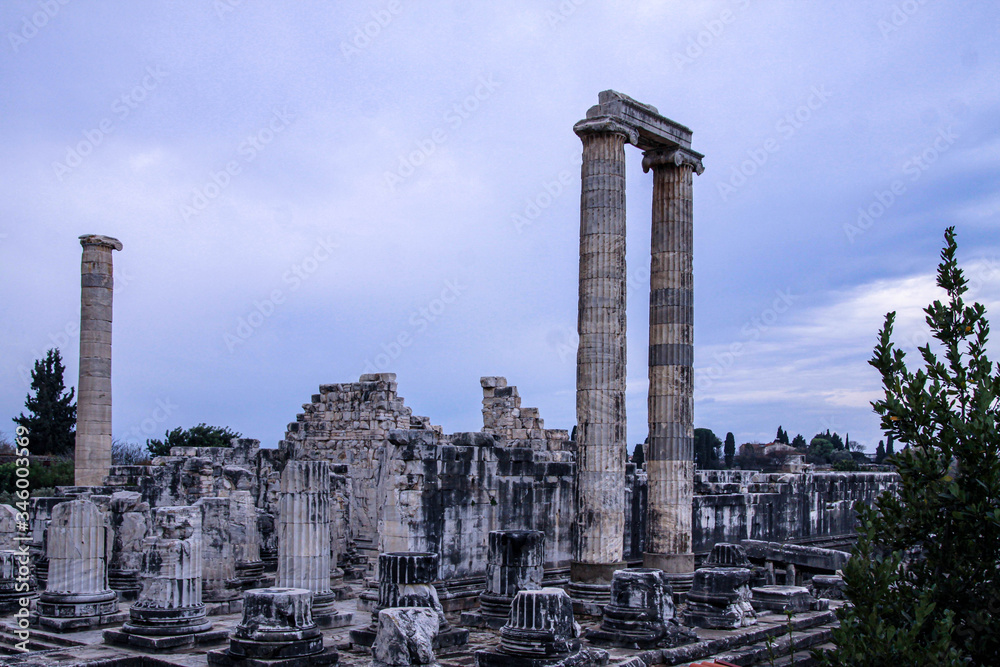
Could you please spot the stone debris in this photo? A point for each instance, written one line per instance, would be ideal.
(720, 598)
(641, 613)
(405, 636)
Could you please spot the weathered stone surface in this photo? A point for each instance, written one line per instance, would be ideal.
(16, 582)
(304, 536)
(277, 629)
(728, 555)
(720, 598)
(77, 594)
(601, 356)
(541, 631)
(170, 612)
(782, 598)
(93, 397)
(405, 636)
(641, 613)
(404, 581)
(829, 586)
(516, 562)
(218, 569)
(130, 518)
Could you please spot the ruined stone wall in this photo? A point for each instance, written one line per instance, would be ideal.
(347, 424)
(806, 508)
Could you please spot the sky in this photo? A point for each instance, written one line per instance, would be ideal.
(309, 191)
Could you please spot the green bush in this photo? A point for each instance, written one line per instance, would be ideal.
(58, 473)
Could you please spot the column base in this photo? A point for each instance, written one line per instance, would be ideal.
(679, 569)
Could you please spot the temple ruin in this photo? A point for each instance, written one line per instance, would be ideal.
(371, 536)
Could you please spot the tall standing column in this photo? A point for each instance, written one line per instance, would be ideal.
(670, 454)
(93, 406)
(600, 365)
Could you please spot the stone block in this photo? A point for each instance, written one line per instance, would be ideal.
(405, 636)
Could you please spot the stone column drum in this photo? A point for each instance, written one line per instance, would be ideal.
(304, 534)
(246, 540)
(641, 613)
(600, 366)
(170, 604)
(670, 453)
(77, 593)
(541, 632)
(218, 565)
(515, 562)
(93, 402)
(277, 628)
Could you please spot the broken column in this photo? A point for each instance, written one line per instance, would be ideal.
(600, 366)
(641, 613)
(515, 562)
(277, 628)
(219, 587)
(93, 398)
(16, 581)
(541, 631)
(170, 612)
(77, 593)
(129, 524)
(720, 598)
(304, 536)
(405, 580)
(670, 453)
(245, 537)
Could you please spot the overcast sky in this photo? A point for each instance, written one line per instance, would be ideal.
(305, 192)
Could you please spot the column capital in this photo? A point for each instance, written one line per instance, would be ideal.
(675, 157)
(606, 125)
(97, 239)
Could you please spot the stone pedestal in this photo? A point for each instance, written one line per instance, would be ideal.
(724, 554)
(277, 630)
(641, 613)
(77, 593)
(93, 397)
(783, 599)
(541, 632)
(515, 562)
(720, 598)
(15, 565)
(169, 613)
(405, 581)
(405, 637)
(220, 590)
(670, 452)
(600, 376)
(304, 537)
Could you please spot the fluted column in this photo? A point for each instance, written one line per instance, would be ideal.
(600, 369)
(93, 398)
(304, 533)
(77, 593)
(170, 601)
(670, 454)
